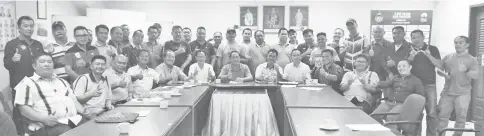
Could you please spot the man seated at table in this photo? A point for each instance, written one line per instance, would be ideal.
(119, 79)
(329, 73)
(401, 87)
(269, 72)
(143, 77)
(47, 100)
(296, 71)
(357, 84)
(169, 73)
(235, 71)
(93, 89)
(201, 72)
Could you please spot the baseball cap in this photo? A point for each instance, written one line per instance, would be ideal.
(57, 24)
(231, 30)
(351, 20)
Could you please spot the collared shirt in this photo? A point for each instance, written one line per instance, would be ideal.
(317, 58)
(297, 73)
(460, 82)
(402, 87)
(165, 72)
(242, 71)
(202, 74)
(284, 52)
(86, 83)
(156, 51)
(266, 73)
(19, 70)
(356, 88)
(225, 48)
(58, 58)
(257, 53)
(114, 77)
(132, 53)
(303, 48)
(402, 53)
(353, 47)
(397, 47)
(331, 69)
(182, 57)
(48, 97)
(75, 54)
(207, 48)
(104, 49)
(117, 45)
(422, 67)
(378, 60)
(150, 77)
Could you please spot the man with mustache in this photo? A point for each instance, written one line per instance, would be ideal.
(58, 48)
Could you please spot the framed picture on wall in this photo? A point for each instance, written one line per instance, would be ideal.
(298, 17)
(273, 18)
(249, 17)
(41, 9)
(7, 22)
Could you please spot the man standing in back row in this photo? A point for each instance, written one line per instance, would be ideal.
(354, 44)
(181, 49)
(425, 58)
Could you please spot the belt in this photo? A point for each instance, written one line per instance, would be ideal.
(391, 101)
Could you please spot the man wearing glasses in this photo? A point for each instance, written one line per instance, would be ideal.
(78, 57)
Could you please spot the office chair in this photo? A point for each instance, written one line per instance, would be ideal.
(409, 120)
(457, 129)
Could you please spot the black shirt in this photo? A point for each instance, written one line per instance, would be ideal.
(182, 57)
(422, 67)
(207, 48)
(18, 70)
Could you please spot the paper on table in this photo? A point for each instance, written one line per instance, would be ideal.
(143, 113)
(367, 127)
(311, 88)
(288, 86)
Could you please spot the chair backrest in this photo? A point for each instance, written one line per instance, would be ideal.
(412, 110)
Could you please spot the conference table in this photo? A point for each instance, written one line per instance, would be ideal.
(298, 111)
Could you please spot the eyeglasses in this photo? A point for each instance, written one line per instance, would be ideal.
(82, 36)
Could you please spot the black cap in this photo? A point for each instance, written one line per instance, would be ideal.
(231, 30)
(352, 21)
(58, 24)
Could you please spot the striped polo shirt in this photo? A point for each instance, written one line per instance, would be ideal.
(58, 58)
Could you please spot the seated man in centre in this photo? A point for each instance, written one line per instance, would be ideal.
(235, 71)
(93, 89)
(269, 72)
(169, 73)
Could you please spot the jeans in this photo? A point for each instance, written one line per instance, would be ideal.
(447, 103)
(431, 109)
(389, 107)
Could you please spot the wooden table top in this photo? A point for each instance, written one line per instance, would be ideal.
(189, 97)
(324, 98)
(157, 122)
(306, 122)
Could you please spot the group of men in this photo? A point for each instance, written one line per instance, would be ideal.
(63, 84)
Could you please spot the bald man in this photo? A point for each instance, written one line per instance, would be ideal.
(119, 79)
(378, 51)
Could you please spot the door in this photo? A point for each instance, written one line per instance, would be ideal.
(477, 50)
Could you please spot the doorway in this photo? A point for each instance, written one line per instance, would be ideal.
(476, 49)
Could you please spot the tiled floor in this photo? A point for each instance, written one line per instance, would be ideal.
(451, 125)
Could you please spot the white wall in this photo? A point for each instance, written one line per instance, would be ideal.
(218, 16)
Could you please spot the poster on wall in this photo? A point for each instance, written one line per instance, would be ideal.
(298, 17)
(7, 22)
(248, 17)
(273, 18)
(408, 19)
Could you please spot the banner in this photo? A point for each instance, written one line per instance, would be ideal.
(408, 19)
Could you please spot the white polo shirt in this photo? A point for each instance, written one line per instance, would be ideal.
(202, 73)
(50, 97)
(297, 73)
(86, 83)
(149, 77)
